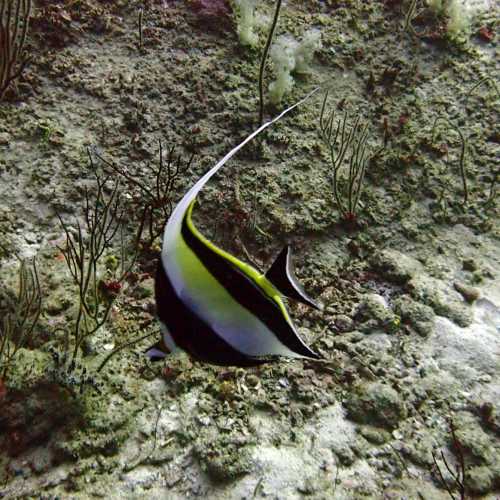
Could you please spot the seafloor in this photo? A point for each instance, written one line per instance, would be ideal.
(407, 403)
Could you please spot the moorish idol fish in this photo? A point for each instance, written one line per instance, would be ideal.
(215, 307)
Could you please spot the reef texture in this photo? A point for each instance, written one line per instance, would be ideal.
(409, 278)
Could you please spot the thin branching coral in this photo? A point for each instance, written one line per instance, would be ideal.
(463, 149)
(20, 315)
(347, 148)
(453, 478)
(154, 200)
(14, 21)
(86, 250)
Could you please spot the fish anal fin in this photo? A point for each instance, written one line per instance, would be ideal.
(281, 274)
(157, 351)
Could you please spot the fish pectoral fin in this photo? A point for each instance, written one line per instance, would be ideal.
(157, 351)
(281, 274)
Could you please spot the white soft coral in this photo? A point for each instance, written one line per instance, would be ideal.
(247, 21)
(282, 55)
(304, 53)
(457, 11)
(289, 56)
(459, 17)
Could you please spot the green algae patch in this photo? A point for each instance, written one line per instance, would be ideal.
(477, 444)
(28, 369)
(106, 419)
(374, 435)
(481, 479)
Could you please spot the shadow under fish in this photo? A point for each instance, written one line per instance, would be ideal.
(216, 307)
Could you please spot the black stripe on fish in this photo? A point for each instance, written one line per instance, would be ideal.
(190, 332)
(245, 292)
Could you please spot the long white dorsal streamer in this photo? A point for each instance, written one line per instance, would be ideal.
(175, 220)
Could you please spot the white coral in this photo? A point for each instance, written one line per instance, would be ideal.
(282, 55)
(289, 56)
(457, 11)
(247, 21)
(459, 17)
(304, 52)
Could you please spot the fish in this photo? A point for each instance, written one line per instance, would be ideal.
(217, 308)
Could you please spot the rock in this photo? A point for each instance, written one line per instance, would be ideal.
(420, 450)
(31, 238)
(474, 441)
(469, 293)
(465, 353)
(480, 479)
(59, 302)
(224, 464)
(374, 313)
(442, 298)
(344, 454)
(469, 265)
(344, 323)
(144, 289)
(395, 266)
(419, 316)
(374, 435)
(377, 404)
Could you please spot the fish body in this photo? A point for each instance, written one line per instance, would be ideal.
(217, 308)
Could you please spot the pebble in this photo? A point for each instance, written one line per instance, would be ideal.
(204, 420)
(469, 293)
(397, 434)
(31, 237)
(344, 323)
